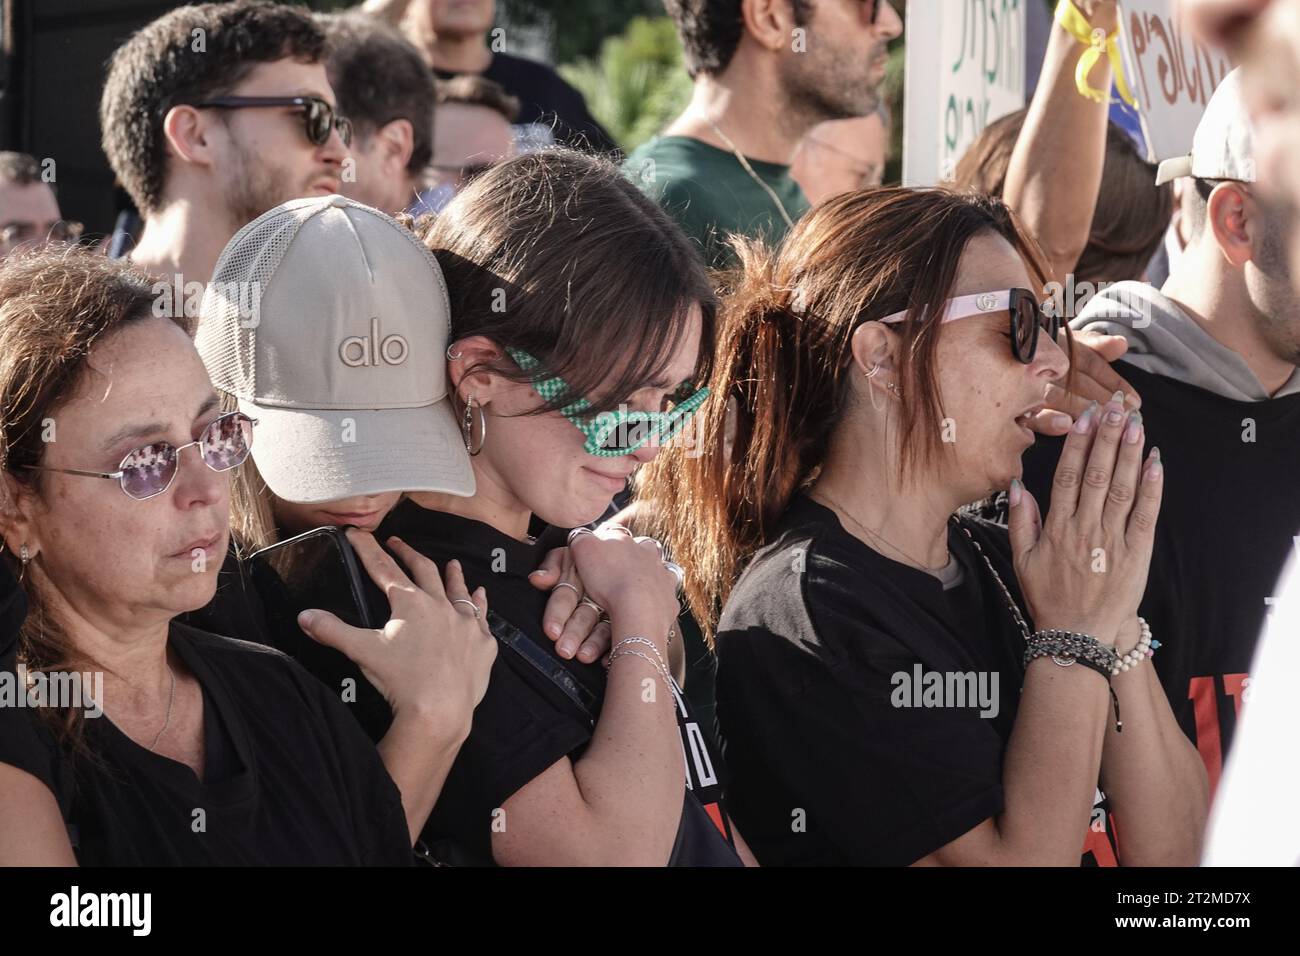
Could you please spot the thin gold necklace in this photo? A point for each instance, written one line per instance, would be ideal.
(877, 536)
(750, 169)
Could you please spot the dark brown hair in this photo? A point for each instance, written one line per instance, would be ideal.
(472, 90)
(55, 305)
(1131, 215)
(710, 30)
(558, 254)
(378, 77)
(783, 358)
(189, 54)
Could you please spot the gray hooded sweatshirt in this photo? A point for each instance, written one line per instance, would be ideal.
(1165, 340)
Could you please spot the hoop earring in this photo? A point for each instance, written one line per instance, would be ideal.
(452, 356)
(467, 427)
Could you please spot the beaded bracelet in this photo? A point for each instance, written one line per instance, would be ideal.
(1144, 648)
(1068, 647)
(1069, 644)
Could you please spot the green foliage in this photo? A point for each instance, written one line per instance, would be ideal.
(638, 84)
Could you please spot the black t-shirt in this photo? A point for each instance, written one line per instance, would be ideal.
(236, 609)
(836, 759)
(1227, 525)
(289, 777)
(525, 722)
(546, 99)
(13, 610)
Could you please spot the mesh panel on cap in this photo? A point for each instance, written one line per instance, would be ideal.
(227, 331)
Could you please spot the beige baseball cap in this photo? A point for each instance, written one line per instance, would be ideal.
(1221, 145)
(329, 322)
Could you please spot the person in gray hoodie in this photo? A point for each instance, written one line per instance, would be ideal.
(1214, 355)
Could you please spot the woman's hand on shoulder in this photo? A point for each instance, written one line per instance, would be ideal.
(435, 654)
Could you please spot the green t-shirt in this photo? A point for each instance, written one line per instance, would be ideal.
(711, 195)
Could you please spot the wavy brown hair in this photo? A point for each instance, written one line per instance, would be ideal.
(783, 360)
(56, 303)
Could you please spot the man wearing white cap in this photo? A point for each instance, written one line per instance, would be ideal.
(1213, 354)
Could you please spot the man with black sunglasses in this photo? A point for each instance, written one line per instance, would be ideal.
(211, 115)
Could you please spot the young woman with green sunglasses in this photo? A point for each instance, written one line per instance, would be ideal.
(579, 317)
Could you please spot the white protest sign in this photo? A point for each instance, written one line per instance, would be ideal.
(1171, 74)
(965, 68)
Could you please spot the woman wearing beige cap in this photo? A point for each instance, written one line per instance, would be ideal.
(327, 322)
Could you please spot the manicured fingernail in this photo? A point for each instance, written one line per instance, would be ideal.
(1156, 468)
(553, 630)
(480, 592)
(1062, 422)
(587, 655)
(306, 619)
(1134, 430)
(565, 648)
(538, 571)
(1118, 397)
(1114, 413)
(1017, 489)
(1084, 421)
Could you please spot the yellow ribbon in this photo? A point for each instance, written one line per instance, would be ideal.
(1069, 17)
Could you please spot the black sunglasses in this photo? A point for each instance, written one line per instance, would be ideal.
(319, 118)
(1027, 317)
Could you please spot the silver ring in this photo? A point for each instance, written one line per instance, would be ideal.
(643, 538)
(473, 606)
(571, 587)
(578, 532)
(677, 572)
(613, 526)
(600, 611)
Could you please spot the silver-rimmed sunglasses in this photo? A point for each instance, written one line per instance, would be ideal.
(150, 469)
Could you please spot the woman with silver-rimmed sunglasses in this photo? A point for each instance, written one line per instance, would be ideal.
(179, 747)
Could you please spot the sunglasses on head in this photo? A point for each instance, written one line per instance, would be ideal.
(1027, 317)
(319, 118)
(615, 433)
(149, 470)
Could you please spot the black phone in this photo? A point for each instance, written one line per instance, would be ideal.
(316, 569)
(319, 569)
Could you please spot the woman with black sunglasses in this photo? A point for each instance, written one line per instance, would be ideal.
(900, 683)
(139, 740)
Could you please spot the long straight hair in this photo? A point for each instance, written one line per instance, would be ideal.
(782, 363)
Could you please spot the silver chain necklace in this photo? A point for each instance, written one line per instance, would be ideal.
(1006, 592)
(776, 200)
(877, 536)
(171, 700)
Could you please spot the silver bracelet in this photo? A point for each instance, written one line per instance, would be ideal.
(641, 640)
(667, 679)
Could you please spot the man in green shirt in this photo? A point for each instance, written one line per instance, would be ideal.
(765, 72)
